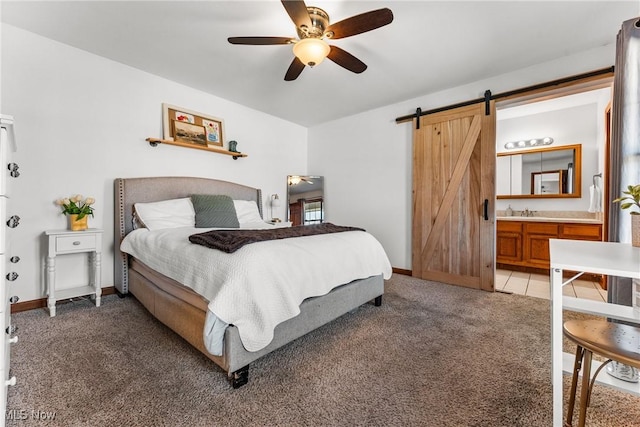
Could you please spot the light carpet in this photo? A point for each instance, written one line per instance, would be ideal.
(431, 355)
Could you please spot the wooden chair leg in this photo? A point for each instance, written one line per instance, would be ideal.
(577, 364)
(584, 390)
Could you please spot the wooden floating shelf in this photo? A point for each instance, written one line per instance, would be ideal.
(155, 141)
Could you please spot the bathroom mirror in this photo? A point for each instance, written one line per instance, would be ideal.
(540, 173)
(305, 199)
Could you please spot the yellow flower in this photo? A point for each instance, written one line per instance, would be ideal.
(90, 200)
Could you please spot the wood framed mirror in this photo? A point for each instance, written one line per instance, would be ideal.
(549, 172)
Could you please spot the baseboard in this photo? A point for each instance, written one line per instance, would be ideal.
(402, 271)
(42, 302)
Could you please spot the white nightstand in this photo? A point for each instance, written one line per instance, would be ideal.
(62, 242)
(280, 224)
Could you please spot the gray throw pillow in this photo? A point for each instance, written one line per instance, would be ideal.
(214, 210)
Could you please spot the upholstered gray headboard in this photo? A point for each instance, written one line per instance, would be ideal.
(128, 191)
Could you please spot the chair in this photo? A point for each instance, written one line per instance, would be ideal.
(613, 341)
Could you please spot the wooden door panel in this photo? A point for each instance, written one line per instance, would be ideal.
(443, 196)
(537, 250)
(509, 247)
(452, 242)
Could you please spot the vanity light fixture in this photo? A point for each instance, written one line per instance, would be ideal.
(527, 143)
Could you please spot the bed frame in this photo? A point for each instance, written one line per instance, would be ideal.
(184, 311)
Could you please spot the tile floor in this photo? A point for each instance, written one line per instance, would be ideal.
(537, 285)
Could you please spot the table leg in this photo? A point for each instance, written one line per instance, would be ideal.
(556, 344)
(51, 285)
(97, 266)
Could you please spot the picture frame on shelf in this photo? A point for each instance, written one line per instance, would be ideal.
(177, 118)
(190, 133)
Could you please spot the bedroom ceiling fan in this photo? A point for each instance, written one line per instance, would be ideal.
(313, 26)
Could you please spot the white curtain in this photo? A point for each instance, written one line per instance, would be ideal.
(625, 141)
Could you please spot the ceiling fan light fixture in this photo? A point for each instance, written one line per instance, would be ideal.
(313, 26)
(294, 180)
(311, 51)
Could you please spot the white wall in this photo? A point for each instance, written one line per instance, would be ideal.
(366, 158)
(81, 121)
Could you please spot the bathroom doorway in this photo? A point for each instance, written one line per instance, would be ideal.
(576, 114)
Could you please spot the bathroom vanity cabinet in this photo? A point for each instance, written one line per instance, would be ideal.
(525, 243)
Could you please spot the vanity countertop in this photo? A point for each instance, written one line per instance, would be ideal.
(549, 219)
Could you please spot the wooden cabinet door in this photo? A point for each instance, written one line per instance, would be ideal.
(509, 242)
(508, 247)
(453, 237)
(537, 250)
(536, 240)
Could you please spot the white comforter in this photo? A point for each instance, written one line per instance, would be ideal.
(262, 284)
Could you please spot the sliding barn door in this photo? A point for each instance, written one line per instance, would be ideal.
(453, 234)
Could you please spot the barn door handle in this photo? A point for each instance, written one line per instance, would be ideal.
(486, 209)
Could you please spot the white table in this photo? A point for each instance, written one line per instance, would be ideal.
(62, 242)
(612, 259)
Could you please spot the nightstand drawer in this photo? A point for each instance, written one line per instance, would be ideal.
(75, 243)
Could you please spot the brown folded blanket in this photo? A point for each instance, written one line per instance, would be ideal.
(231, 240)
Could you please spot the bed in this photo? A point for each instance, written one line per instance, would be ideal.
(187, 312)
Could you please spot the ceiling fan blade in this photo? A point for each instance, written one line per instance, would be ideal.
(346, 60)
(294, 70)
(297, 10)
(360, 23)
(260, 40)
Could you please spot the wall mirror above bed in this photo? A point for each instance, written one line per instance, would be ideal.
(305, 199)
(540, 173)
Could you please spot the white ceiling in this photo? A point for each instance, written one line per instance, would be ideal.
(430, 45)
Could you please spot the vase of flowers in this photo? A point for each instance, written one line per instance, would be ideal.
(78, 210)
(631, 199)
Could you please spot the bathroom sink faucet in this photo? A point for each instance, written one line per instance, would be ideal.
(527, 212)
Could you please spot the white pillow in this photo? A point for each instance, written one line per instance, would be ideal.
(247, 211)
(166, 214)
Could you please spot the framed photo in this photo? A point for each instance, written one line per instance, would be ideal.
(177, 119)
(187, 132)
